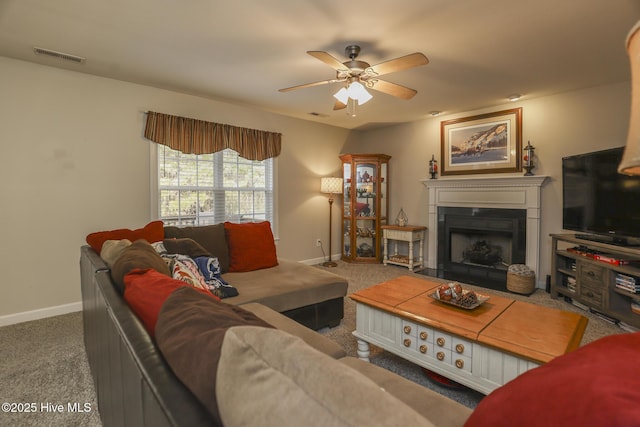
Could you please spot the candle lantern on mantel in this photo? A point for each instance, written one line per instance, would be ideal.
(433, 167)
(528, 158)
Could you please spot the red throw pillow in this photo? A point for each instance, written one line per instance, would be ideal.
(595, 385)
(251, 246)
(152, 232)
(146, 290)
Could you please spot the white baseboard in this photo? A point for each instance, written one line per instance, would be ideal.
(320, 260)
(25, 316)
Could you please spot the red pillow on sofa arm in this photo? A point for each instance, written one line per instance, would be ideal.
(152, 232)
(146, 290)
(251, 246)
(596, 385)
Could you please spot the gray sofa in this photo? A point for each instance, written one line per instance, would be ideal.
(137, 385)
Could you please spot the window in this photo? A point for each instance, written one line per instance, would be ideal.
(212, 188)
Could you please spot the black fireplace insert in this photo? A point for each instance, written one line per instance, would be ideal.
(477, 245)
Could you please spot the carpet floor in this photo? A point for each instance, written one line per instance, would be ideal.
(44, 368)
(45, 375)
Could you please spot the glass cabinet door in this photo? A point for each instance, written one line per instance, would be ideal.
(365, 206)
(365, 210)
(383, 194)
(346, 203)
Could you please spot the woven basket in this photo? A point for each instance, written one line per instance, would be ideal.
(521, 279)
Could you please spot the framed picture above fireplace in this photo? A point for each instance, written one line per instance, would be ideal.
(486, 143)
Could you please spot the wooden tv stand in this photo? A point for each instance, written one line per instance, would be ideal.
(591, 283)
(483, 348)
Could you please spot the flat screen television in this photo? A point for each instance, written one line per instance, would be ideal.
(597, 200)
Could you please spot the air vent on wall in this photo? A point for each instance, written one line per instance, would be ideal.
(59, 55)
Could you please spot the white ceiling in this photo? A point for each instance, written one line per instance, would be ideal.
(243, 51)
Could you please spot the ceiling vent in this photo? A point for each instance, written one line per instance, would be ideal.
(59, 55)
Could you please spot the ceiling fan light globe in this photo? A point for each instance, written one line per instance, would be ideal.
(354, 89)
(342, 95)
(358, 92)
(364, 97)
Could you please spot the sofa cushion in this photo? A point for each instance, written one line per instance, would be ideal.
(210, 237)
(112, 249)
(189, 334)
(139, 255)
(304, 386)
(152, 232)
(185, 246)
(287, 286)
(251, 246)
(145, 291)
(596, 385)
(283, 323)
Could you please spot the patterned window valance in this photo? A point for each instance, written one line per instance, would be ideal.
(192, 136)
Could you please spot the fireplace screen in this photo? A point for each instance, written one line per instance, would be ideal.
(485, 249)
(477, 245)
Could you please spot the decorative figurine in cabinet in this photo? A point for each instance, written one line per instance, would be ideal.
(366, 205)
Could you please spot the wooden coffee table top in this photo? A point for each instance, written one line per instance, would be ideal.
(527, 330)
(388, 295)
(538, 333)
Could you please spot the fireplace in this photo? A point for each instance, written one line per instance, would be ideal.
(477, 245)
(499, 193)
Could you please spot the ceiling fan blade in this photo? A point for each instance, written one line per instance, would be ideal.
(330, 60)
(339, 106)
(323, 82)
(393, 89)
(402, 63)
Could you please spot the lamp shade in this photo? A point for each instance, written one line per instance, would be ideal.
(630, 163)
(331, 185)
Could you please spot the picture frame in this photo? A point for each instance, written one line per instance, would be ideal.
(486, 143)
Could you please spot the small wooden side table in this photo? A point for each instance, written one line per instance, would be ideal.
(408, 233)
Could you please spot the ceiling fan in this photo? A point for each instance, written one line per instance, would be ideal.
(359, 74)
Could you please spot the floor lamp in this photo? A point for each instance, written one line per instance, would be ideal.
(331, 186)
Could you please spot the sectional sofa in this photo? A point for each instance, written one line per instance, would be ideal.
(169, 354)
(244, 360)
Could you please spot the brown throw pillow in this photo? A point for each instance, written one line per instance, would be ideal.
(139, 255)
(189, 332)
(185, 246)
(112, 249)
(210, 237)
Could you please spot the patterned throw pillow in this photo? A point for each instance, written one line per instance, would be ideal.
(184, 268)
(210, 269)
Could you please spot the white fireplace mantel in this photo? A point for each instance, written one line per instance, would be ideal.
(509, 192)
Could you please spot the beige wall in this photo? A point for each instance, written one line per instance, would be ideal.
(557, 126)
(75, 161)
